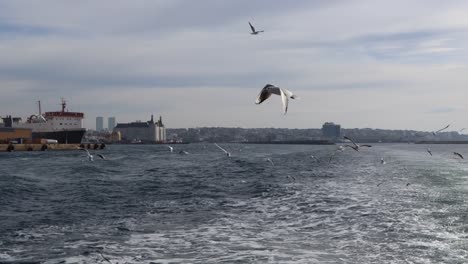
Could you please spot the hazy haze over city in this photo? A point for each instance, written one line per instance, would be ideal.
(378, 64)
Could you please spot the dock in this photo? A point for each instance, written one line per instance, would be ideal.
(47, 147)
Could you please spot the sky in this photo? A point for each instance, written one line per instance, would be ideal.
(362, 64)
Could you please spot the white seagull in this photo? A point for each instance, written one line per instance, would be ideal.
(355, 146)
(225, 151)
(435, 132)
(90, 157)
(271, 89)
(170, 148)
(269, 160)
(254, 32)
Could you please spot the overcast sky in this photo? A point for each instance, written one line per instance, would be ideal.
(378, 64)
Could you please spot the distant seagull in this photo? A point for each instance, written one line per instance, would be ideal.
(101, 156)
(270, 161)
(339, 149)
(429, 151)
(382, 161)
(170, 148)
(291, 178)
(271, 89)
(355, 146)
(254, 32)
(183, 152)
(380, 183)
(461, 130)
(408, 184)
(90, 157)
(435, 132)
(315, 158)
(225, 151)
(458, 154)
(106, 259)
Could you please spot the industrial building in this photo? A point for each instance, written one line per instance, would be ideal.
(150, 131)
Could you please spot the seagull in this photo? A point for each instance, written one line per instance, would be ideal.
(429, 151)
(435, 132)
(382, 161)
(339, 149)
(183, 152)
(355, 146)
(225, 151)
(461, 130)
(170, 148)
(458, 154)
(271, 89)
(268, 159)
(101, 156)
(254, 32)
(90, 157)
(315, 158)
(408, 184)
(291, 178)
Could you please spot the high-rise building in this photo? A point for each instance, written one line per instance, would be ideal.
(111, 123)
(331, 130)
(99, 123)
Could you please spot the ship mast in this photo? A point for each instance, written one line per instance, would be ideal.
(39, 103)
(64, 104)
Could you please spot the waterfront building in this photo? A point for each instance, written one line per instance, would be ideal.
(331, 130)
(148, 131)
(99, 123)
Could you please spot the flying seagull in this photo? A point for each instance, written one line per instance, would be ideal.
(254, 32)
(382, 161)
(355, 146)
(461, 130)
(170, 148)
(429, 151)
(435, 132)
(339, 149)
(101, 156)
(458, 154)
(225, 151)
(271, 89)
(90, 157)
(269, 160)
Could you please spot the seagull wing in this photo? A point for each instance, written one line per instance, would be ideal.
(442, 128)
(284, 99)
(171, 148)
(264, 94)
(352, 141)
(252, 28)
(225, 151)
(458, 154)
(101, 156)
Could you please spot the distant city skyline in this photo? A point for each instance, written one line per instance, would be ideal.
(386, 64)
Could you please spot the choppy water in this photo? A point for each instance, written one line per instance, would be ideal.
(147, 205)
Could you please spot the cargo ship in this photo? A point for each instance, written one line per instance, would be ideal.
(64, 126)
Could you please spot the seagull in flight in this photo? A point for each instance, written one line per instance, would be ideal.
(101, 156)
(461, 130)
(429, 151)
(382, 161)
(435, 132)
(271, 89)
(355, 146)
(458, 154)
(254, 32)
(225, 151)
(269, 160)
(339, 149)
(170, 148)
(90, 157)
